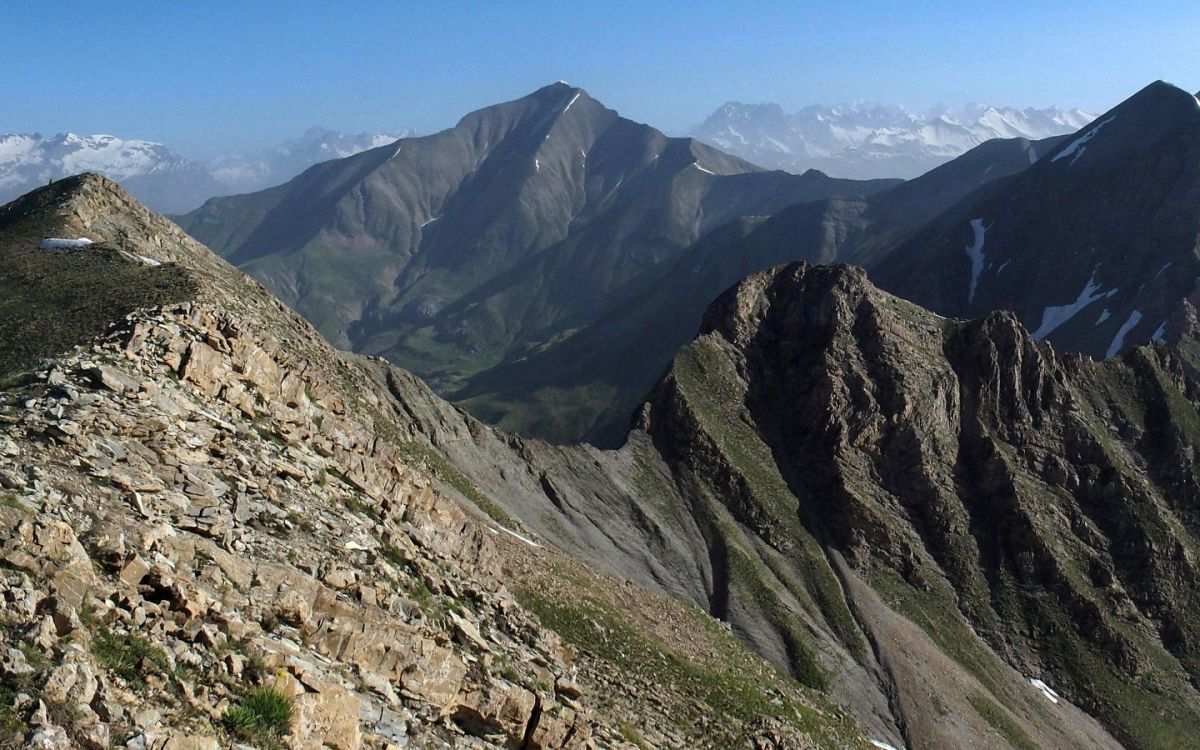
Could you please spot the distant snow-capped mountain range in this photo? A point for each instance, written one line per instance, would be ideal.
(867, 141)
(856, 140)
(162, 178)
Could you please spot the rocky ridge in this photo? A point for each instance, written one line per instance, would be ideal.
(932, 518)
(234, 543)
(207, 505)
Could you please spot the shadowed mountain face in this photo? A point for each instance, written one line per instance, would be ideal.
(1092, 240)
(925, 516)
(589, 384)
(451, 253)
(1094, 247)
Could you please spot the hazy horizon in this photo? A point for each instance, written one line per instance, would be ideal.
(206, 80)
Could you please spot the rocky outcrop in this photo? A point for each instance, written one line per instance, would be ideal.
(1020, 506)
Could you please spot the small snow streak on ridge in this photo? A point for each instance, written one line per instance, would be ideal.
(57, 243)
(1053, 317)
(1079, 145)
(1159, 334)
(975, 253)
(1046, 690)
(1118, 341)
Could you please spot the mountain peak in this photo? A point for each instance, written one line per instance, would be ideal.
(1130, 127)
(558, 88)
(742, 308)
(1159, 93)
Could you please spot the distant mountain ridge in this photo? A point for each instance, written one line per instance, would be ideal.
(246, 172)
(865, 141)
(160, 176)
(1094, 247)
(454, 252)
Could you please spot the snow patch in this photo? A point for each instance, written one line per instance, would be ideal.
(1032, 153)
(696, 164)
(882, 745)
(1003, 266)
(399, 148)
(149, 261)
(975, 253)
(781, 146)
(57, 243)
(1104, 315)
(1079, 145)
(1053, 317)
(1159, 333)
(1046, 689)
(573, 98)
(1165, 267)
(522, 537)
(427, 222)
(1118, 341)
(537, 166)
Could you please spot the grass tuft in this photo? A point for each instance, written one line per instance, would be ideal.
(262, 718)
(131, 657)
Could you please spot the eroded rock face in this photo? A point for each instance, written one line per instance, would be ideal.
(1018, 505)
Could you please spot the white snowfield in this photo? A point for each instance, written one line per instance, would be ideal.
(856, 136)
(1046, 689)
(1053, 317)
(1079, 145)
(975, 253)
(58, 243)
(882, 745)
(696, 164)
(1118, 341)
(26, 158)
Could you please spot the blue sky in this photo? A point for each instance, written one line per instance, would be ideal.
(203, 77)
